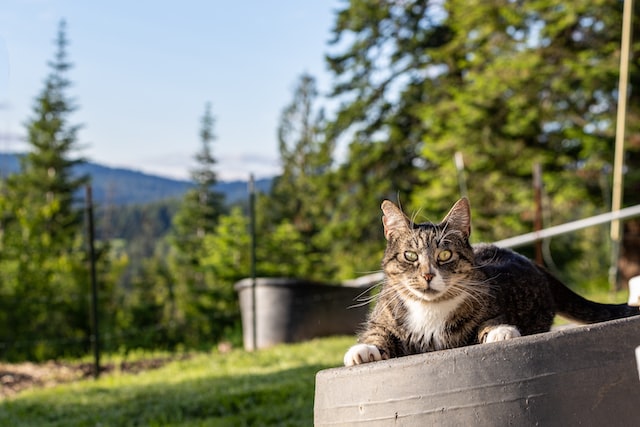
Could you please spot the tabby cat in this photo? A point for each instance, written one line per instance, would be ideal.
(440, 292)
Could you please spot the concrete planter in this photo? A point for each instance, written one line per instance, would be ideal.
(292, 310)
(580, 376)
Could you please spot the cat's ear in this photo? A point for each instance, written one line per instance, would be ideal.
(459, 217)
(393, 219)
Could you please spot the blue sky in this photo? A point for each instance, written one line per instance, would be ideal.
(144, 70)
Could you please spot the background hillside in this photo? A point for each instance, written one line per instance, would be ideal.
(118, 186)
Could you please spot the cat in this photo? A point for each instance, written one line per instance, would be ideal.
(440, 292)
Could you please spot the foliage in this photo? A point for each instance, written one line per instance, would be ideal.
(506, 84)
(306, 157)
(295, 211)
(270, 387)
(378, 67)
(147, 308)
(149, 221)
(202, 300)
(43, 262)
(227, 248)
(200, 206)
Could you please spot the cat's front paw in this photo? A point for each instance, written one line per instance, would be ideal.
(362, 353)
(501, 333)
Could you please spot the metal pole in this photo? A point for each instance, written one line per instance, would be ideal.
(462, 180)
(252, 225)
(95, 336)
(618, 162)
(537, 221)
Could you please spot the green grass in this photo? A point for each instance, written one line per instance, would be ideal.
(605, 296)
(268, 387)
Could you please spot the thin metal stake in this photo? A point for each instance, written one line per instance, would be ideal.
(618, 163)
(95, 335)
(537, 221)
(252, 225)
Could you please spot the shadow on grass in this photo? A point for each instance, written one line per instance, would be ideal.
(281, 398)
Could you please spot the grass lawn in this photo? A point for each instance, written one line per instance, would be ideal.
(269, 387)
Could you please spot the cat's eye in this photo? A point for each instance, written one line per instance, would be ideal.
(444, 255)
(411, 256)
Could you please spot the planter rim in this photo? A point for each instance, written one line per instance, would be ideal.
(515, 382)
(360, 282)
(278, 282)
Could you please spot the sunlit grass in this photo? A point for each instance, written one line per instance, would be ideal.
(269, 387)
(608, 297)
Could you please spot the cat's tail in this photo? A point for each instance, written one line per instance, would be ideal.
(576, 308)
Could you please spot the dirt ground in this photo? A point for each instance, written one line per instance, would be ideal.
(16, 377)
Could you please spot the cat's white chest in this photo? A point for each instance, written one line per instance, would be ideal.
(426, 321)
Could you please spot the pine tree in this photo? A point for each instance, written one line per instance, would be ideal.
(46, 176)
(298, 200)
(201, 206)
(531, 83)
(197, 292)
(507, 84)
(43, 264)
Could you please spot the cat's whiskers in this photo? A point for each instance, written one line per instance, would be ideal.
(443, 235)
(488, 261)
(414, 216)
(475, 290)
(415, 233)
(470, 299)
(384, 289)
(475, 281)
(472, 296)
(390, 302)
(362, 300)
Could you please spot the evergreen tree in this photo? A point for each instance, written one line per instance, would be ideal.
(379, 74)
(305, 156)
(202, 205)
(228, 248)
(43, 263)
(46, 176)
(298, 200)
(533, 83)
(196, 288)
(507, 84)
(148, 308)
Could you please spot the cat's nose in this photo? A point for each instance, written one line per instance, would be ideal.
(428, 277)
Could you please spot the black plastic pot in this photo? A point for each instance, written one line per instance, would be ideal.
(291, 310)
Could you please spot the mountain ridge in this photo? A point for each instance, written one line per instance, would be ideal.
(121, 186)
